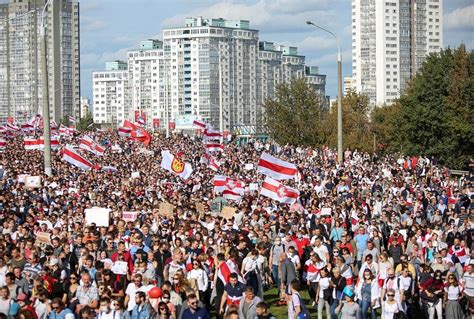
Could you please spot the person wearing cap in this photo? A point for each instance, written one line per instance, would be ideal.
(25, 305)
(348, 308)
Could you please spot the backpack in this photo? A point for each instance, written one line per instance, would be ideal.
(304, 314)
(14, 308)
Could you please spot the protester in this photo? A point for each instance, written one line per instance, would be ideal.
(409, 226)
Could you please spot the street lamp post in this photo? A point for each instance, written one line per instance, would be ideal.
(44, 79)
(339, 91)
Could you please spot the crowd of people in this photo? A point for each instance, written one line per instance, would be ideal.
(387, 237)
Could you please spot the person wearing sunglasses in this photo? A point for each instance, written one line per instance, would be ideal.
(390, 306)
(163, 311)
(194, 311)
(106, 311)
(58, 310)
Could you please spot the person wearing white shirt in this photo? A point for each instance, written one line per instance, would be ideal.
(133, 288)
(202, 280)
(251, 272)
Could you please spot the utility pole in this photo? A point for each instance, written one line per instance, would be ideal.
(45, 90)
(339, 91)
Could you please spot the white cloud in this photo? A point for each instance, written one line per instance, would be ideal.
(92, 25)
(265, 15)
(460, 18)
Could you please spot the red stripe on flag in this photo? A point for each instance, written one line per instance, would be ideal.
(277, 168)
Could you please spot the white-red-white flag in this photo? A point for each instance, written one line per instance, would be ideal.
(200, 124)
(125, 131)
(71, 156)
(213, 147)
(3, 144)
(38, 143)
(3, 129)
(27, 127)
(279, 192)
(223, 273)
(72, 119)
(12, 127)
(66, 131)
(141, 120)
(88, 144)
(210, 161)
(210, 134)
(275, 167)
(230, 188)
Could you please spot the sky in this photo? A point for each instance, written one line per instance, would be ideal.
(109, 28)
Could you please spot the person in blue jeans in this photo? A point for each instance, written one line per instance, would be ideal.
(368, 295)
(339, 284)
(142, 309)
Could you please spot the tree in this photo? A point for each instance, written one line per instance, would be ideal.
(294, 115)
(436, 113)
(86, 123)
(357, 132)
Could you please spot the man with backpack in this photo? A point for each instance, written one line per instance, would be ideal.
(296, 307)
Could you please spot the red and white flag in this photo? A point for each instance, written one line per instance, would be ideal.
(70, 155)
(279, 192)
(141, 120)
(3, 144)
(72, 119)
(230, 188)
(12, 127)
(66, 131)
(212, 135)
(275, 167)
(213, 147)
(88, 144)
(38, 143)
(175, 165)
(210, 161)
(225, 269)
(3, 129)
(200, 124)
(27, 127)
(125, 131)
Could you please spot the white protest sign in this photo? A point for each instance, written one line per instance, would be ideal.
(135, 174)
(22, 178)
(33, 181)
(326, 211)
(248, 167)
(129, 216)
(120, 268)
(253, 186)
(98, 216)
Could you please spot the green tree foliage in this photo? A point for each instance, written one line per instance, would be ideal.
(294, 115)
(356, 128)
(85, 123)
(435, 115)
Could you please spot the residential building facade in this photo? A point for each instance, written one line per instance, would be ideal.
(213, 69)
(111, 89)
(390, 41)
(20, 62)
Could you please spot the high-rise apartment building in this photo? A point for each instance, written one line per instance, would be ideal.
(214, 69)
(390, 41)
(111, 102)
(20, 67)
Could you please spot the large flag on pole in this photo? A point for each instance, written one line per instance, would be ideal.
(175, 165)
(279, 192)
(70, 155)
(138, 133)
(275, 167)
(88, 144)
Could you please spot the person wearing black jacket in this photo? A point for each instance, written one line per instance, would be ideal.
(339, 282)
(160, 257)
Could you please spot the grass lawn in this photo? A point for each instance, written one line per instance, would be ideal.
(271, 297)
